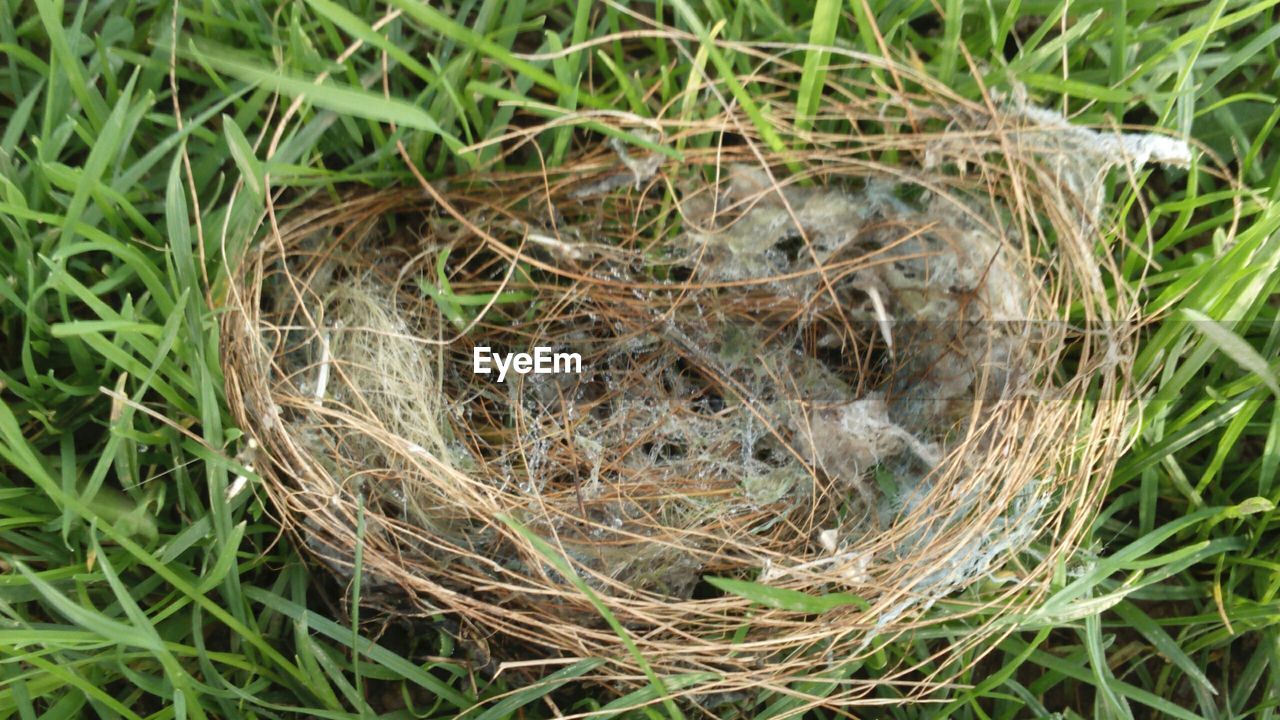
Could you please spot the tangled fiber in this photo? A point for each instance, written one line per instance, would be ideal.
(885, 365)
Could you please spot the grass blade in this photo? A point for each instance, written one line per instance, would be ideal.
(330, 96)
(1234, 347)
(826, 19)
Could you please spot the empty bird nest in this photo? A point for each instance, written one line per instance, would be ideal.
(826, 396)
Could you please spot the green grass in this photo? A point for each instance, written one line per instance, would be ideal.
(133, 588)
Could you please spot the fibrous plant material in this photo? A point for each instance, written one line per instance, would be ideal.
(856, 369)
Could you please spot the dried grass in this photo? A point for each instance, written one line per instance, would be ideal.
(861, 366)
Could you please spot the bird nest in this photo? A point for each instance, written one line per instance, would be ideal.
(823, 397)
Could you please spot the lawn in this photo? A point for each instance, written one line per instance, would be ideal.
(145, 573)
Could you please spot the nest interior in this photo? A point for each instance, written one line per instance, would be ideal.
(828, 372)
